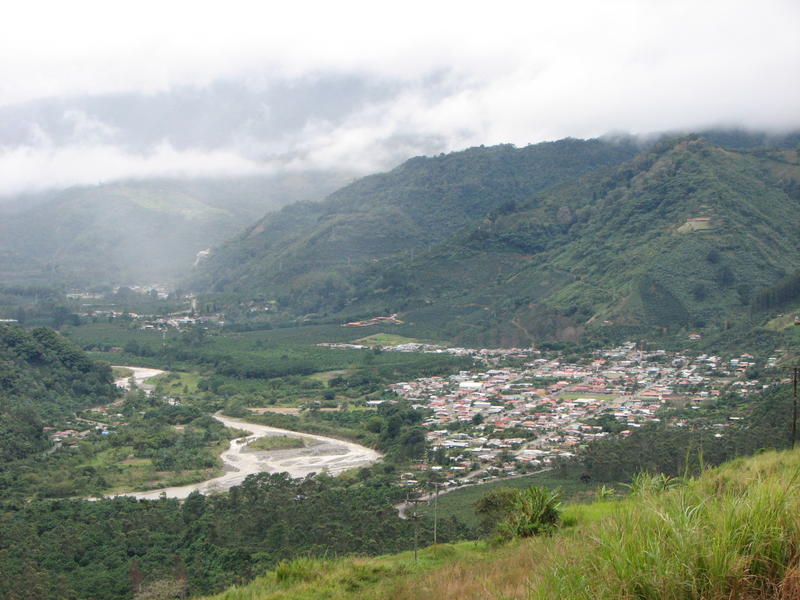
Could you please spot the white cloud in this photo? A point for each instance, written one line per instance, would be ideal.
(57, 48)
(32, 169)
(88, 129)
(466, 73)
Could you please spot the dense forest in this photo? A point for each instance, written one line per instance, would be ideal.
(43, 376)
(112, 548)
(304, 254)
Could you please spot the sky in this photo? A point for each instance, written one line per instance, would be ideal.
(97, 91)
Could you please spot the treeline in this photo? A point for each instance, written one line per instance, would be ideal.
(231, 358)
(785, 291)
(36, 292)
(43, 376)
(677, 451)
(108, 549)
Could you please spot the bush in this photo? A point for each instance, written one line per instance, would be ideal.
(534, 511)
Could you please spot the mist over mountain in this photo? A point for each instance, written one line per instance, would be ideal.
(138, 231)
(228, 128)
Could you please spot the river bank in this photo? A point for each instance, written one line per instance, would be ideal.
(323, 454)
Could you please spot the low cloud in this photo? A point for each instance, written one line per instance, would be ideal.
(29, 169)
(199, 91)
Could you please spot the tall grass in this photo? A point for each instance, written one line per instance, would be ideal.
(380, 578)
(734, 533)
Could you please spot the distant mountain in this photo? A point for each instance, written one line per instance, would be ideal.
(141, 231)
(682, 235)
(306, 253)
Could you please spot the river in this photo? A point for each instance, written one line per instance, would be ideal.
(320, 454)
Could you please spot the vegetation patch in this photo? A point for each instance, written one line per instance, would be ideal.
(783, 321)
(732, 533)
(175, 383)
(461, 502)
(120, 372)
(326, 376)
(277, 442)
(345, 578)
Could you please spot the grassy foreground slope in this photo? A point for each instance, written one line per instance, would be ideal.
(732, 533)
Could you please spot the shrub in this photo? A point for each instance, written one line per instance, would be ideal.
(534, 511)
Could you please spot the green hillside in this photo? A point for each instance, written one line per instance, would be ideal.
(141, 231)
(731, 533)
(43, 376)
(501, 246)
(307, 254)
(683, 236)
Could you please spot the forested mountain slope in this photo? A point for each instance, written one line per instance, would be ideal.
(683, 235)
(306, 252)
(43, 375)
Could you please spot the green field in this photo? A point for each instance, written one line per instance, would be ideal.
(119, 372)
(175, 382)
(690, 226)
(460, 502)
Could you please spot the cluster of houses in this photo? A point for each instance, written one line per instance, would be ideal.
(155, 322)
(506, 419)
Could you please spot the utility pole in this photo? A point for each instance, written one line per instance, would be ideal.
(415, 517)
(435, 511)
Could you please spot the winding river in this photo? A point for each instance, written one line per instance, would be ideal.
(321, 454)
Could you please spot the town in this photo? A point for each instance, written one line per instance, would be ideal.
(505, 421)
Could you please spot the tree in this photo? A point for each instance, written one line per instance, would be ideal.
(494, 506)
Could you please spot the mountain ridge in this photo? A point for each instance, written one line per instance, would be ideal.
(680, 235)
(384, 214)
